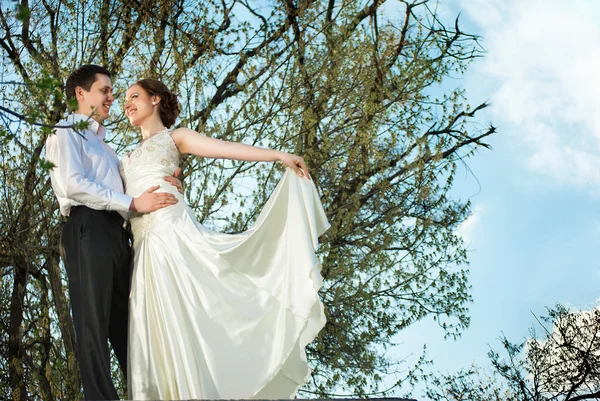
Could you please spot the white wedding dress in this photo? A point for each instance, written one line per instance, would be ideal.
(221, 316)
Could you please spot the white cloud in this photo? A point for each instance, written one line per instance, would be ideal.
(543, 69)
(467, 228)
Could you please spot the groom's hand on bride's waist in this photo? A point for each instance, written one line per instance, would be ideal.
(173, 180)
(151, 201)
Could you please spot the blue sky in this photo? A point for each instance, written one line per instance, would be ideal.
(534, 232)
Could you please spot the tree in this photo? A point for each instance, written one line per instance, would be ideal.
(563, 364)
(359, 94)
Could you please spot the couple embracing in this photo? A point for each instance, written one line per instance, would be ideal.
(190, 313)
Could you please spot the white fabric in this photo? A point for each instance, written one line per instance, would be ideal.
(221, 316)
(87, 170)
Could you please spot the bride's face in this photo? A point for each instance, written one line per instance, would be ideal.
(139, 105)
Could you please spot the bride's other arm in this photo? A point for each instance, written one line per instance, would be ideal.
(189, 141)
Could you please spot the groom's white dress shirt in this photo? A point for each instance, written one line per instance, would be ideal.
(87, 170)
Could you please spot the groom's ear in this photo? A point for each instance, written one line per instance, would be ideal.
(79, 93)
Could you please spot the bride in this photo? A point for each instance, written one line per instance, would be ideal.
(212, 315)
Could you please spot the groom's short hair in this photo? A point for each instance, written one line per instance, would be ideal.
(84, 76)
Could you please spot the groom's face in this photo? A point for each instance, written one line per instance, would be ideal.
(97, 101)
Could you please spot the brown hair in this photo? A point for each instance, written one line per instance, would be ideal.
(168, 108)
(84, 76)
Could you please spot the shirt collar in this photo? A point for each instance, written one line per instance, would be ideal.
(94, 126)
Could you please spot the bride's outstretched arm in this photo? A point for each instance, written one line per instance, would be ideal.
(189, 141)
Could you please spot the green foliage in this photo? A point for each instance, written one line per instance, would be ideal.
(22, 12)
(354, 91)
(46, 164)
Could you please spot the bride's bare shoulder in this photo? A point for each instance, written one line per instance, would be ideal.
(189, 141)
(182, 131)
(179, 135)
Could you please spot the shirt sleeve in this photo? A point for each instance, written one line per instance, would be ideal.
(65, 151)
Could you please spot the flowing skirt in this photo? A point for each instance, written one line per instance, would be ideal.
(225, 316)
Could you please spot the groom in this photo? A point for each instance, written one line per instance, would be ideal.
(94, 244)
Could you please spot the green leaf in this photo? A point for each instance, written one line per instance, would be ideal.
(23, 12)
(46, 164)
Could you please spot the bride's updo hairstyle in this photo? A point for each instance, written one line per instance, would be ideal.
(168, 108)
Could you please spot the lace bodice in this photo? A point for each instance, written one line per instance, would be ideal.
(159, 148)
(145, 167)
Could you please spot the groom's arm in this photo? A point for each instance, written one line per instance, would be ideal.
(65, 150)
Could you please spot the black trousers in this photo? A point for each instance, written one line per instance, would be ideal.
(96, 251)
